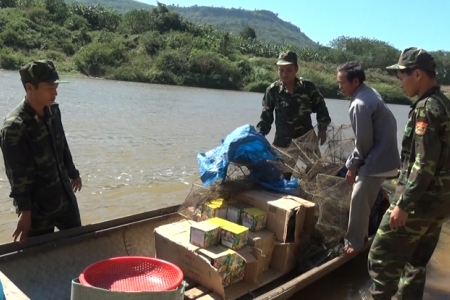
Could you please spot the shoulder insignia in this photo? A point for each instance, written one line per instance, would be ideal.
(421, 128)
(18, 120)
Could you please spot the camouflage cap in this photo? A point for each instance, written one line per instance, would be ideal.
(287, 58)
(39, 71)
(414, 58)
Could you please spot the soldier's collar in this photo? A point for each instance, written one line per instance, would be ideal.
(30, 110)
(27, 107)
(282, 87)
(428, 93)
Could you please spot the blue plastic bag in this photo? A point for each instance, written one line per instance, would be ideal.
(245, 146)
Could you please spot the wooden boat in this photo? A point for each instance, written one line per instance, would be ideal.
(44, 267)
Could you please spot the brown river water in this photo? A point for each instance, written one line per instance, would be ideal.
(136, 145)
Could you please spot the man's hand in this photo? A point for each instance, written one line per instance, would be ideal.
(350, 177)
(322, 136)
(76, 184)
(398, 218)
(23, 226)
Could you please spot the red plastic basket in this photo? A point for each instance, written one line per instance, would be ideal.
(132, 274)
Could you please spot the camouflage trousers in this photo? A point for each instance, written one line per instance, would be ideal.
(66, 217)
(398, 258)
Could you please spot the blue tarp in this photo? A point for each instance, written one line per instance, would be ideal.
(244, 146)
(2, 295)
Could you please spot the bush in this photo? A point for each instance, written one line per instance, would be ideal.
(257, 87)
(153, 42)
(38, 15)
(96, 58)
(175, 61)
(76, 22)
(391, 93)
(11, 60)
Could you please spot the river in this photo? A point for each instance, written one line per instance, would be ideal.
(136, 144)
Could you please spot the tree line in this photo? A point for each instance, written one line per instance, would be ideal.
(160, 46)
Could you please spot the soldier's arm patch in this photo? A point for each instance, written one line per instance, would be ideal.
(421, 128)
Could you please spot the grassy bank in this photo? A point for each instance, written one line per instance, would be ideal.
(158, 46)
(246, 72)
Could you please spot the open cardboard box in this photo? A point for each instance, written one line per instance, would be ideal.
(291, 219)
(172, 244)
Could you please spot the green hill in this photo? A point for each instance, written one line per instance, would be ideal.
(267, 25)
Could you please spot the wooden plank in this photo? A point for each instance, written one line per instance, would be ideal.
(10, 290)
(291, 287)
(190, 283)
(196, 292)
(212, 296)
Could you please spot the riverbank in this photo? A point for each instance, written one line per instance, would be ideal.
(322, 75)
(159, 46)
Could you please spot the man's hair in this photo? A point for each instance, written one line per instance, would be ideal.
(36, 85)
(352, 70)
(409, 71)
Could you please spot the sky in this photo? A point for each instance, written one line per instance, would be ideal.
(401, 23)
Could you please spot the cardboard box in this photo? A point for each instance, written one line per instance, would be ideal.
(234, 236)
(290, 218)
(287, 216)
(172, 244)
(265, 241)
(254, 218)
(204, 234)
(228, 263)
(234, 211)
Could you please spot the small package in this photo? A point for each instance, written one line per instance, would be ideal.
(219, 257)
(234, 211)
(226, 279)
(204, 234)
(238, 277)
(254, 218)
(237, 269)
(234, 236)
(218, 221)
(228, 263)
(214, 208)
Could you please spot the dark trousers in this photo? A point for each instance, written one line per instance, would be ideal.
(65, 218)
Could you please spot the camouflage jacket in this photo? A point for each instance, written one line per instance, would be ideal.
(425, 150)
(37, 159)
(292, 111)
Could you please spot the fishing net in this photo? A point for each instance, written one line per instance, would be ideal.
(320, 173)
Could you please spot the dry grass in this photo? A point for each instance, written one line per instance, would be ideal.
(445, 88)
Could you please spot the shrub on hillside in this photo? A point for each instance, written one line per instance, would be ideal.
(95, 58)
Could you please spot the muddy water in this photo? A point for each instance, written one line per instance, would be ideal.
(136, 145)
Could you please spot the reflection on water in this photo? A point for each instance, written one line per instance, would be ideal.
(136, 145)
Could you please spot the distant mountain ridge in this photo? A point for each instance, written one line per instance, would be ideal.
(267, 25)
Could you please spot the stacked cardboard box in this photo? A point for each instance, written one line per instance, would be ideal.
(233, 258)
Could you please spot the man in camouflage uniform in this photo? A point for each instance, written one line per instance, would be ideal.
(37, 158)
(293, 100)
(409, 231)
